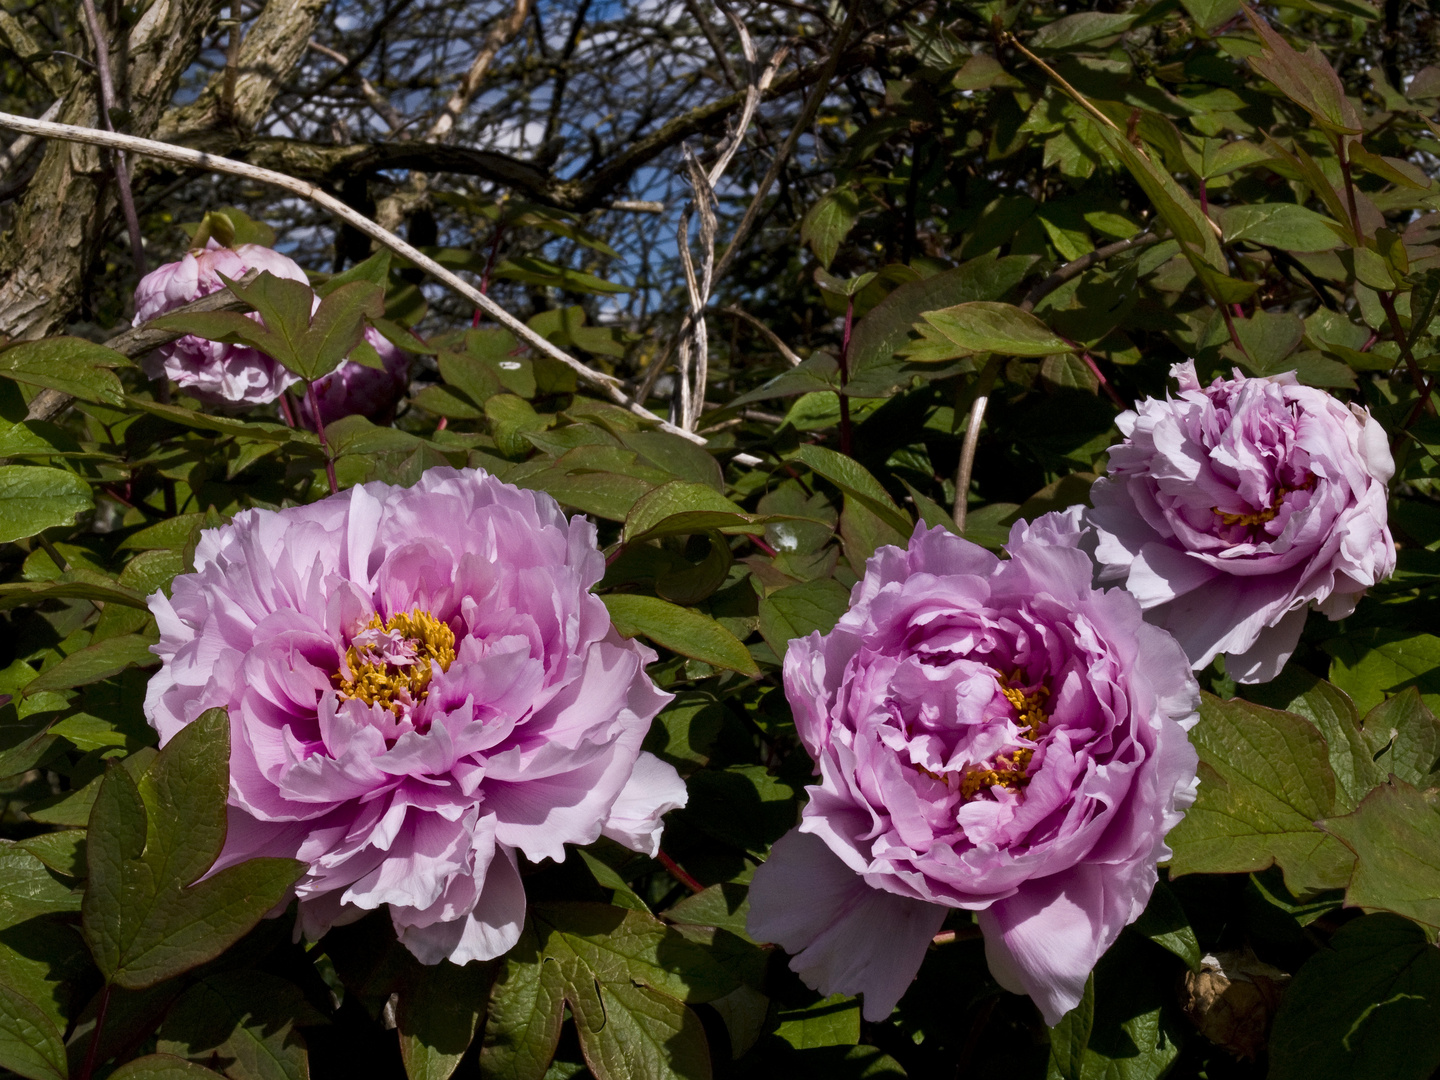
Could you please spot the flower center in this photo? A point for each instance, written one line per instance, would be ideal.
(1260, 517)
(1008, 770)
(389, 663)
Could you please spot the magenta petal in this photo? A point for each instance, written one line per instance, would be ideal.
(488, 930)
(1045, 940)
(845, 936)
(653, 790)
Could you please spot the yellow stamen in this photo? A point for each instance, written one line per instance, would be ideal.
(377, 682)
(1260, 517)
(1010, 770)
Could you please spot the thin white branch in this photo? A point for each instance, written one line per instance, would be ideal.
(11, 154)
(211, 163)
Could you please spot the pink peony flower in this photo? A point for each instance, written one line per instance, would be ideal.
(209, 370)
(997, 736)
(354, 389)
(1230, 510)
(420, 684)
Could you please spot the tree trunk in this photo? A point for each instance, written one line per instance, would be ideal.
(68, 203)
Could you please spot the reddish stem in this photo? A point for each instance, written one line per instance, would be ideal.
(90, 1052)
(679, 874)
(324, 443)
(763, 546)
(845, 376)
(1104, 382)
(286, 413)
(489, 266)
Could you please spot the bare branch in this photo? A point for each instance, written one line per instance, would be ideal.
(500, 33)
(610, 385)
(373, 97)
(101, 41)
(770, 335)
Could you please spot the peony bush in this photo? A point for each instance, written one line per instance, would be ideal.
(995, 638)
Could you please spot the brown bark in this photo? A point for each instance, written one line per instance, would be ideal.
(70, 199)
(272, 48)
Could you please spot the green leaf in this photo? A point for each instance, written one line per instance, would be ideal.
(983, 326)
(615, 945)
(1133, 1035)
(285, 307)
(851, 478)
(249, 1019)
(725, 906)
(63, 851)
(1306, 79)
(607, 877)
(1424, 300)
(828, 222)
(1395, 835)
(45, 962)
(1072, 30)
(437, 1016)
(510, 417)
(1366, 1006)
(1164, 922)
(337, 326)
(1279, 225)
(145, 916)
(375, 270)
(1404, 738)
(1372, 664)
(71, 365)
(224, 425)
(30, 1045)
(28, 888)
(886, 327)
(162, 1067)
(680, 630)
(832, 1022)
(681, 506)
(522, 1022)
(34, 498)
(1265, 779)
(72, 585)
(797, 611)
(638, 1032)
(1070, 1037)
(1396, 170)
(592, 956)
(96, 662)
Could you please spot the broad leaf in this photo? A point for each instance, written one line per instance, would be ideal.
(437, 1017)
(1366, 1006)
(145, 916)
(1265, 779)
(249, 1019)
(30, 1045)
(986, 326)
(1395, 835)
(680, 630)
(162, 1067)
(1280, 225)
(96, 662)
(71, 365)
(34, 498)
(851, 478)
(797, 611)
